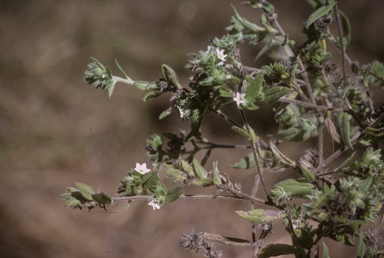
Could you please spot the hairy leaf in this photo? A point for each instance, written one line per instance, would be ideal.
(320, 12)
(262, 216)
(280, 249)
(173, 193)
(85, 190)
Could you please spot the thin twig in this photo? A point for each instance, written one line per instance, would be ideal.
(238, 196)
(225, 117)
(254, 150)
(341, 36)
(305, 104)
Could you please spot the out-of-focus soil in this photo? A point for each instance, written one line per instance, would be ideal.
(55, 129)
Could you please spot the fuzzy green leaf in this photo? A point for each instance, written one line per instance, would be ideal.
(72, 202)
(149, 180)
(309, 177)
(165, 113)
(121, 70)
(199, 170)
(173, 193)
(325, 251)
(320, 12)
(345, 129)
(215, 174)
(291, 188)
(170, 76)
(346, 28)
(262, 216)
(151, 95)
(102, 198)
(202, 182)
(85, 190)
(274, 93)
(362, 247)
(127, 206)
(280, 249)
(253, 90)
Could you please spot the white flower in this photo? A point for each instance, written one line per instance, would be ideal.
(240, 98)
(209, 49)
(181, 112)
(155, 204)
(142, 169)
(228, 77)
(220, 55)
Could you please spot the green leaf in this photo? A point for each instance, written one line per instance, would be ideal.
(72, 189)
(262, 216)
(362, 247)
(202, 182)
(165, 113)
(142, 85)
(315, 3)
(253, 90)
(292, 134)
(309, 177)
(127, 206)
(342, 238)
(205, 157)
(291, 188)
(149, 180)
(85, 190)
(247, 162)
(173, 193)
(274, 93)
(170, 76)
(151, 95)
(66, 196)
(345, 162)
(187, 168)
(325, 251)
(346, 28)
(121, 70)
(320, 12)
(102, 198)
(345, 129)
(243, 131)
(72, 202)
(195, 124)
(199, 170)
(280, 249)
(215, 177)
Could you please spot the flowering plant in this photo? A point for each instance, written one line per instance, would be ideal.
(310, 96)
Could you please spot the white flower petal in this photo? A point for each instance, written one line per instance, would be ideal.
(142, 169)
(220, 54)
(239, 99)
(155, 204)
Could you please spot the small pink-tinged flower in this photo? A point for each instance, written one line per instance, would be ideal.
(239, 99)
(155, 204)
(142, 169)
(209, 49)
(220, 55)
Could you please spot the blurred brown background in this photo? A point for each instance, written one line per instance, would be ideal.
(55, 129)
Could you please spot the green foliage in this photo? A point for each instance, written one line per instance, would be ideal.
(308, 92)
(85, 197)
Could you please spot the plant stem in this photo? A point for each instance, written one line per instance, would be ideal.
(238, 196)
(128, 81)
(254, 150)
(341, 37)
(305, 104)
